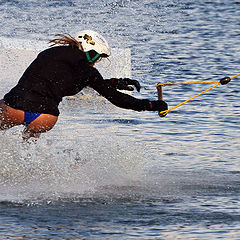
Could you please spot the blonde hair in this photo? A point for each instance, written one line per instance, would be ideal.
(65, 40)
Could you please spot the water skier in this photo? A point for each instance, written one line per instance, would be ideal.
(62, 70)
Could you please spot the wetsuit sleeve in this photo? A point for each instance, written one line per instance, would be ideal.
(117, 98)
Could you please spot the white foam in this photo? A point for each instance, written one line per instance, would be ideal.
(27, 44)
(62, 167)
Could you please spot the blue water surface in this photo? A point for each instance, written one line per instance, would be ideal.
(110, 173)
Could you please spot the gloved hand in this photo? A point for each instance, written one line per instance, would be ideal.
(123, 84)
(158, 105)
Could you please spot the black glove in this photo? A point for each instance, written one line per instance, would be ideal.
(123, 84)
(158, 105)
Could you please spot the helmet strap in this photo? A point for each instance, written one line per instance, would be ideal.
(91, 60)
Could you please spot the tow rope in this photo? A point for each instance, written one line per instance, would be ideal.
(223, 81)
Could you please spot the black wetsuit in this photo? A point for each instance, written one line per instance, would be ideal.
(63, 71)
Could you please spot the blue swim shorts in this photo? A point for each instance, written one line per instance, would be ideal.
(29, 117)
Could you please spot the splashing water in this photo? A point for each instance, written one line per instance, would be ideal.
(58, 169)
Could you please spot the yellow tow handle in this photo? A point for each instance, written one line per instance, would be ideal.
(160, 97)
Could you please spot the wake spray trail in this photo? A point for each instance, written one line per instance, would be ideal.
(53, 169)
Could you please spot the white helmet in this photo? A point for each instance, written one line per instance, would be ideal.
(91, 40)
